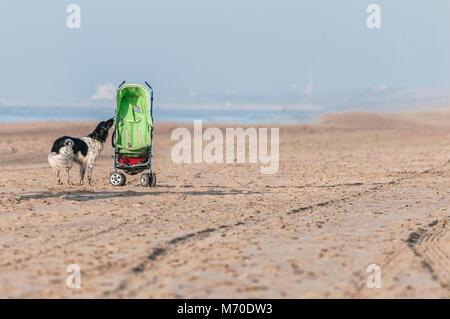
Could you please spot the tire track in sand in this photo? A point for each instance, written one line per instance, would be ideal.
(432, 246)
(356, 195)
(429, 244)
(162, 250)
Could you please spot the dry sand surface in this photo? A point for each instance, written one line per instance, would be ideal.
(352, 190)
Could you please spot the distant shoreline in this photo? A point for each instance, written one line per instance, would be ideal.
(250, 115)
(435, 119)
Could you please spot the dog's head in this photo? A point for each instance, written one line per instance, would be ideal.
(101, 131)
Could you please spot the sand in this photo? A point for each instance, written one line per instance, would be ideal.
(355, 189)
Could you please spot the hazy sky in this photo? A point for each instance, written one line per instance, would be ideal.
(212, 47)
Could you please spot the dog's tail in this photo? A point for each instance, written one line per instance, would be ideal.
(52, 159)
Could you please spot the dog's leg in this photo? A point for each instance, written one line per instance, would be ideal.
(82, 171)
(58, 178)
(69, 167)
(68, 176)
(89, 172)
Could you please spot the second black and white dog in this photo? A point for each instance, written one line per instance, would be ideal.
(84, 151)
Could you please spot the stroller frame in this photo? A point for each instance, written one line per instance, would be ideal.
(119, 179)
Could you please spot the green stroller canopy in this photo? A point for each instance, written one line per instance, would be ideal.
(133, 120)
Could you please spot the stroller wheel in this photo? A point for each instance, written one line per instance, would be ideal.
(148, 179)
(153, 180)
(124, 179)
(117, 179)
(145, 179)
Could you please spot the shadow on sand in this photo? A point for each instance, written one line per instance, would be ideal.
(84, 196)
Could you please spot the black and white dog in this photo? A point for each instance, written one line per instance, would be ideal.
(84, 150)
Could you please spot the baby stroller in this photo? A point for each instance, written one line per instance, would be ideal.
(133, 134)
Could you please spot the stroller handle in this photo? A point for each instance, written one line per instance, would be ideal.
(148, 85)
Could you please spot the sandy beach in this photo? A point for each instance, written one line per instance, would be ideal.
(355, 189)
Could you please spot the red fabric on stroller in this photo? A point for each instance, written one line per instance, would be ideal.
(132, 160)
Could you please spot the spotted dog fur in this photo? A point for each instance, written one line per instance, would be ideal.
(84, 151)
